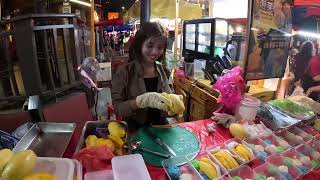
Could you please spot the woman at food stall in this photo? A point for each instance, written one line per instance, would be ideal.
(136, 87)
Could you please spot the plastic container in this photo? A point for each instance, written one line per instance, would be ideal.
(265, 169)
(290, 138)
(275, 144)
(232, 143)
(311, 156)
(298, 132)
(314, 144)
(309, 130)
(258, 147)
(296, 156)
(183, 169)
(279, 161)
(77, 170)
(247, 109)
(222, 147)
(62, 168)
(220, 172)
(129, 166)
(245, 172)
(99, 175)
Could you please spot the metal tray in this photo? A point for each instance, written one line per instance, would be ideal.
(47, 139)
(90, 129)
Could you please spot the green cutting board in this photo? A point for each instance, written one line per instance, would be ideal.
(179, 139)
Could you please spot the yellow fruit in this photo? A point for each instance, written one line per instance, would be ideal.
(205, 160)
(91, 141)
(117, 141)
(238, 131)
(226, 159)
(243, 152)
(116, 129)
(40, 176)
(176, 105)
(5, 156)
(208, 169)
(106, 142)
(20, 165)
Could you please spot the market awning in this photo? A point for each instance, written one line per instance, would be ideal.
(167, 9)
(307, 3)
(302, 14)
(125, 27)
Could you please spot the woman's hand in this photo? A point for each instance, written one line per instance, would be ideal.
(153, 100)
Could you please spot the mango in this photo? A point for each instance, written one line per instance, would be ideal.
(91, 141)
(238, 131)
(40, 176)
(116, 129)
(5, 156)
(20, 165)
(116, 140)
(208, 169)
(176, 106)
(106, 142)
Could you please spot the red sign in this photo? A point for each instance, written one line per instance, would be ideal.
(113, 15)
(307, 2)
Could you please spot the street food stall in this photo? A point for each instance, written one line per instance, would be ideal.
(218, 128)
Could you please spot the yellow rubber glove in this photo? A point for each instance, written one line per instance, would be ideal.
(176, 105)
(153, 100)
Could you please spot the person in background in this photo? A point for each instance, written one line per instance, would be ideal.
(170, 40)
(136, 86)
(302, 59)
(121, 43)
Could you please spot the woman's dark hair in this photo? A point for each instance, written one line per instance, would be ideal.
(303, 58)
(146, 31)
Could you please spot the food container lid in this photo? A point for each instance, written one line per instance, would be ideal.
(99, 175)
(129, 166)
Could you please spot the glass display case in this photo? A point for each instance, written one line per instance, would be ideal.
(204, 38)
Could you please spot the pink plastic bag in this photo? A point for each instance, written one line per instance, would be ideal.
(232, 86)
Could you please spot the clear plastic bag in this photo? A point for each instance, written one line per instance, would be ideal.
(293, 109)
(273, 118)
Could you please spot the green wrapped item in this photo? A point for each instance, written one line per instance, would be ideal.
(237, 178)
(195, 164)
(292, 108)
(260, 177)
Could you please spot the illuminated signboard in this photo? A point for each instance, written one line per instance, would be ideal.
(113, 15)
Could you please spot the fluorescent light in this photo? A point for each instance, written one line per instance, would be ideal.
(238, 29)
(81, 3)
(254, 29)
(309, 34)
(287, 34)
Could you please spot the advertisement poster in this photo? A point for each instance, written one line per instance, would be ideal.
(269, 40)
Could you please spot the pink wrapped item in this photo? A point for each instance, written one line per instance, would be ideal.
(232, 86)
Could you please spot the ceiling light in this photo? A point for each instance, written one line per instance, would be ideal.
(122, 7)
(81, 3)
(238, 29)
(309, 34)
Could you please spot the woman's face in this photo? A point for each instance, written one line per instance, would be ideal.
(152, 49)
